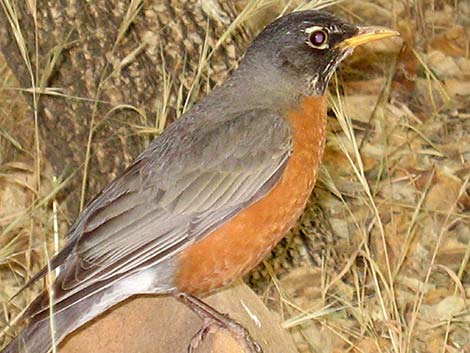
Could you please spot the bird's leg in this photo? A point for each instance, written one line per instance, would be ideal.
(213, 318)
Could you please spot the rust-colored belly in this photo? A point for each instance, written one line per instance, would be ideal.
(237, 246)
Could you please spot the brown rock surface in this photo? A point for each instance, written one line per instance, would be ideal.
(162, 325)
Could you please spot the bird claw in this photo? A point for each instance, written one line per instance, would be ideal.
(214, 319)
(199, 337)
(238, 332)
(242, 335)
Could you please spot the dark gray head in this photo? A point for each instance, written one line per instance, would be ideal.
(301, 51)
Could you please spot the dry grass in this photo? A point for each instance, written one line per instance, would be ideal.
(394, 189)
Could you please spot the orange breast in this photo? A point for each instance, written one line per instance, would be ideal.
(237, 246)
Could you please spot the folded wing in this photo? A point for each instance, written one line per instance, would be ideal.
(187, 183)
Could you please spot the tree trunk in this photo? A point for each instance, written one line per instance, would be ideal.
(121, 70)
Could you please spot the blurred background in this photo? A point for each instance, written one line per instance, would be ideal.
(379, 261)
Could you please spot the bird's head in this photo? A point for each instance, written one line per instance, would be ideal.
(303, 49)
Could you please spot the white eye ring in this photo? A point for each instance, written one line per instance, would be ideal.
(317, 37)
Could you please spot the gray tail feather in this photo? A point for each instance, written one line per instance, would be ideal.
(37, 338)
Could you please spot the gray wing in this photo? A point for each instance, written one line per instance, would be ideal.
(190, 180)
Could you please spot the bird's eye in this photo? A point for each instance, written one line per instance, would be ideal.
(317, 38)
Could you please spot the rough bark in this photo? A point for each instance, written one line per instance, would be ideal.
(102, 67)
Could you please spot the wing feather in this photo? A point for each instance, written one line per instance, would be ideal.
(189, 181)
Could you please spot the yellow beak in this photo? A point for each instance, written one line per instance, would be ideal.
(366, 35)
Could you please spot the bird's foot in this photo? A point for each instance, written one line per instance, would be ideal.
(213, 321)
(238, 332)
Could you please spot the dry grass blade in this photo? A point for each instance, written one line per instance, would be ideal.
(133, 10)
(421, 293)
(11, 12)
(357, 165)
(317, 4)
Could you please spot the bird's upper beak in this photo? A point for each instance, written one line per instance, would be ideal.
(366, 35)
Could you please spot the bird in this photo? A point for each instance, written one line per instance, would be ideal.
(213, 194)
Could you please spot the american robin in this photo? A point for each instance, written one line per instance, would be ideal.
(211, 196)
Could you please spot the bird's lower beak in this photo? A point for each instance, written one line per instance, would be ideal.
(366, 35)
